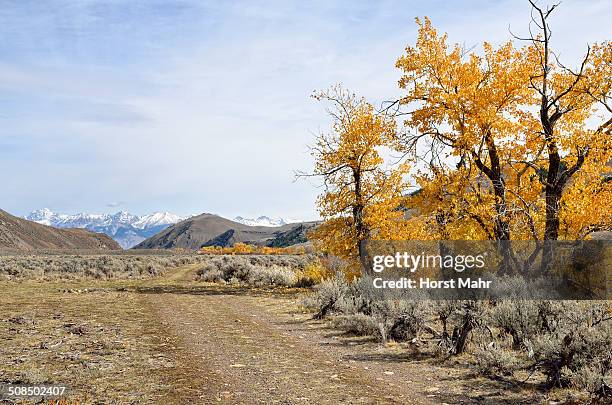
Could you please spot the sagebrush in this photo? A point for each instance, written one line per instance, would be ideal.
(568, 342)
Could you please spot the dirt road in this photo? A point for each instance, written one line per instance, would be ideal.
(174, 340)
(250, 349)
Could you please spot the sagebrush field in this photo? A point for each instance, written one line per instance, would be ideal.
(241, 329)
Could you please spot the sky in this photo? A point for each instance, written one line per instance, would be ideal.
(197, 106)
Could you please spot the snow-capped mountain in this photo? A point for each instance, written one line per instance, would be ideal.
(264, 221)
(127, 229)
(156, 219)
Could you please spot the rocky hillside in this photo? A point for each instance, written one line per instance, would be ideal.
(21, 234)
(213, 230)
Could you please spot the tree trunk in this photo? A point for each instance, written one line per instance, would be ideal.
(551, 230)
(360, 227)
(501, 229)
(552, 196)
(461, 333)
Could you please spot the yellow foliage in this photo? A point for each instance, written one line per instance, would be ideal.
(491, 155)
(505, 143)
(362, 196)
(315, 272)
(240, 248)
(243, 248)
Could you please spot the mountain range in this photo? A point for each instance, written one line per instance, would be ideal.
(213, 230)
(264, 221)
(20, 234)
(129, 229)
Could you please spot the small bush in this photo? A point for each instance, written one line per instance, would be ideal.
(494, 362)
(328, 294)
(259, 270)
(357, 324)
(400, 319)
(387, 315)
(462, 318)
(314, 273)
(519, 319)
(579, 345)
(275, 275)
(591, 380)
(569, 342)
(210, 272)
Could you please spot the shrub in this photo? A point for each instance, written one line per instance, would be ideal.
(210, 272)
(153, 269)
(257, 270)
(520, 319)
(569, 342)
(90, 265)
(327, 296)
(238, 268)
(274, 275)
(314, 273)
(578, 345)
(361, 297)
(385, 314)
(592, 380)
(463, 317)
(357, 324)
(400, 319)
(494, 362)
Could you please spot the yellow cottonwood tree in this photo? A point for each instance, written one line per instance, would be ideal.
(466, 107)
(361, 198)
(565, 148)
(515, 144)
(507, 143)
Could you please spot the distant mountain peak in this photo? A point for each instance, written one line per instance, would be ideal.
(264, 220)
(156, 219)
(41, 216)
(127, 229)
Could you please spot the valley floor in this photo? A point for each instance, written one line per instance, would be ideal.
(174, 340)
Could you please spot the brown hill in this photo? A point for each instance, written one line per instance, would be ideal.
(213, 230)
(21, 234)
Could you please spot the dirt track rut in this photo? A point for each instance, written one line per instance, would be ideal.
(246, 350)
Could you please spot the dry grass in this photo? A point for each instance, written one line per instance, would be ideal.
(99, 349)
(100, 266)
(101, 338)
(176, 339)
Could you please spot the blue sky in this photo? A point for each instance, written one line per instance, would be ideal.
(196, 106)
